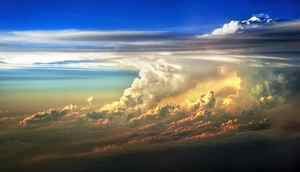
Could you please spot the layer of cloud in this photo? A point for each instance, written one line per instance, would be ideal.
(83, 39)
(236, 42)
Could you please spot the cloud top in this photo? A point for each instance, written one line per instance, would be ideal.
(234, 26)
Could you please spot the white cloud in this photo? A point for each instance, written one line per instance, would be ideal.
(229, 28)
(157, 79)
(56, 59)
(235, 26)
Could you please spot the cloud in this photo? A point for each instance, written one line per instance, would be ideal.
(61, 60)
(85, 39)
(157, 79)
(235, 42)
(67, 62)
(228, 28)
(92, 35)
(235, 26)
(47, 116)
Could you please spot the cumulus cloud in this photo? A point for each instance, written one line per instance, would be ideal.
(47, 116)
(90, 100)
(157, 79)
(228, 28)
(235, 26)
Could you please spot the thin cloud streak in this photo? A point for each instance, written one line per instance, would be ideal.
(269, 44)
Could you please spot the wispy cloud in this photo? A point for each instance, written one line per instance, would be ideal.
(82, 38)
(235, 42)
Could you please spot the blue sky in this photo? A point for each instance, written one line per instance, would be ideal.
(95, 33)
(182, 15)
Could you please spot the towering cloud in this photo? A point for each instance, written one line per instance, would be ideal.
(157, 79)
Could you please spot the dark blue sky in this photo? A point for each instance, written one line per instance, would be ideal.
(182, 15)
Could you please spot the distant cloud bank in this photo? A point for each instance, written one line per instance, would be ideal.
(256, 39)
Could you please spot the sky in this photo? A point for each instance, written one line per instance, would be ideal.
(93, 34)
(155, 39)
(192, 15)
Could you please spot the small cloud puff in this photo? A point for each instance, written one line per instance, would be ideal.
(229, 28)
(47, 116)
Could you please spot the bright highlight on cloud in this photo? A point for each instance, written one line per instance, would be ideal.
(229, 28)
(156, 80)
(234, 26)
